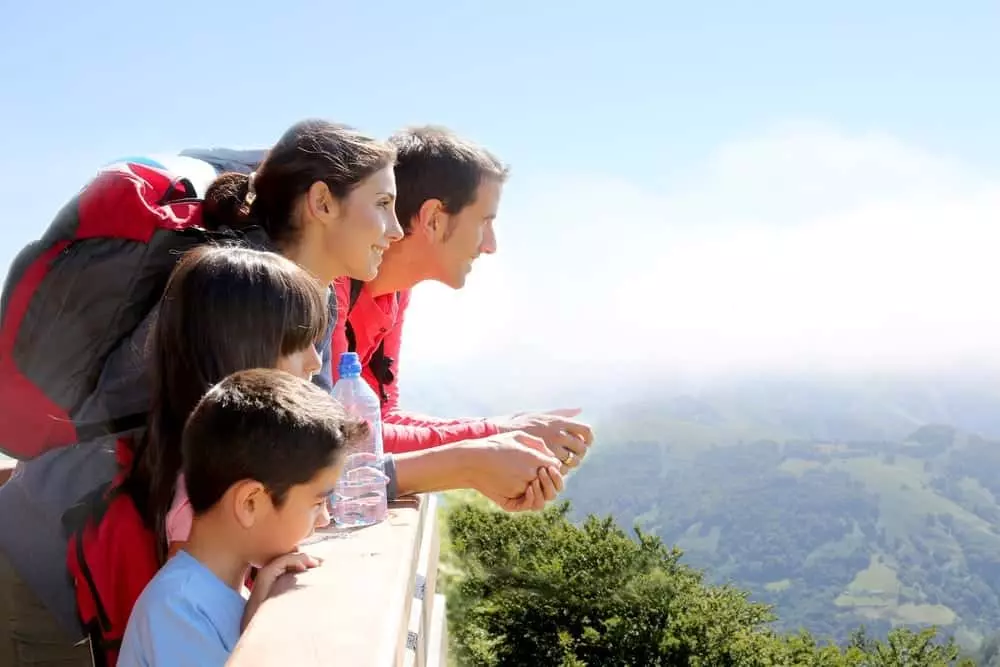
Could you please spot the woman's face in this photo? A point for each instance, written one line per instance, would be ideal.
(304, 363)
(366, 225)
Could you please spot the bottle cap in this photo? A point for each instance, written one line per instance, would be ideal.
(350, 365)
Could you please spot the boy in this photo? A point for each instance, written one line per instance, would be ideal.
(262, 453)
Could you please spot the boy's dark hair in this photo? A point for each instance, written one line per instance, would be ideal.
(434, 163)
(264, 425)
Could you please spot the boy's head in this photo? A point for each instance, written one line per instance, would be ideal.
(448, 193)
(262, 453)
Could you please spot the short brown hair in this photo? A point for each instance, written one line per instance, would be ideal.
(264, 425)
(434, 163)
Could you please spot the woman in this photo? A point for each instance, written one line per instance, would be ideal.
(323, 198)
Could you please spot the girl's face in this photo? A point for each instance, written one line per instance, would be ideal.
(304, 363)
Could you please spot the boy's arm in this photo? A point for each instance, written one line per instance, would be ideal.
(264, 582)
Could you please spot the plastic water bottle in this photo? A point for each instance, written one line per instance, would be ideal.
(360, 495)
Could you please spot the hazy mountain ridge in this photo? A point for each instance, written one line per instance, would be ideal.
(623, 405)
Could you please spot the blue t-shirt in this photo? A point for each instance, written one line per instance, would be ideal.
(185, 617)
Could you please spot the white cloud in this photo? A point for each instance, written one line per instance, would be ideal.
(802, 248)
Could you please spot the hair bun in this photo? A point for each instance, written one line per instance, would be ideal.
(226, 204)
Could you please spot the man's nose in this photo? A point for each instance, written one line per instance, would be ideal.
(489, 243)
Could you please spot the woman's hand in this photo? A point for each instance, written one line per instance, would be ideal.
(514, 470)
(545, 488)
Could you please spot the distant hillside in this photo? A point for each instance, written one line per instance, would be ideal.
(634, 406)
(836, 533)
(807, 407)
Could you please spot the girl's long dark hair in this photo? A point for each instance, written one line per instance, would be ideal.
(225, 309)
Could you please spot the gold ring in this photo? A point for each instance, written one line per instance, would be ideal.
(569, 459)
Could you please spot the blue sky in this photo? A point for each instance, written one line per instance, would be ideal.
(626, 86)
(642, 95)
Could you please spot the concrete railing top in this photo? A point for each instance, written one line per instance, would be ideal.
(368, 605)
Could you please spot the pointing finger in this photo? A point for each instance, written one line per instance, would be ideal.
(579, 430)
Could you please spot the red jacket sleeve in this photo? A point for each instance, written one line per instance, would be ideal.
(403, 432)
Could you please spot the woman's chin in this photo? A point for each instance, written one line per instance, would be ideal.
(363, 272)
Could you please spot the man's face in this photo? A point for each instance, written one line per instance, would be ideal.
(468, 234)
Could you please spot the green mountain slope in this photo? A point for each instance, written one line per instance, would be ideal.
(834, 533)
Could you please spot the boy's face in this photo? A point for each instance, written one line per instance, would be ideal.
(306, 508)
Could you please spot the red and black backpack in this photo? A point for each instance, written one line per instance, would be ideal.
(71, 296)
(105, 261)
(111, 558)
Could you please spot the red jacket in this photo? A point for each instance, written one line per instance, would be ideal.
(378, 320)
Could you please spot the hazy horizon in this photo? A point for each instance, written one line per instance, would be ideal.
(804, 250)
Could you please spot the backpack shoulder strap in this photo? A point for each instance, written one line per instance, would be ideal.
(381, 365)
(352, 341)
(356, 287)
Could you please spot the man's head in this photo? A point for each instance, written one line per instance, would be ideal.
(448, 193)
(262, 453)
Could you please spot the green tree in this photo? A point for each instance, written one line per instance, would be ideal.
(536, 589)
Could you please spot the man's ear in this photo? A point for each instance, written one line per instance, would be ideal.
(250, 500)
(430, 220)
(320, 202)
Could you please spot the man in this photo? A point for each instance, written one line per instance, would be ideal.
(448, 194)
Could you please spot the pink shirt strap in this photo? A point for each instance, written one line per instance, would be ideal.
(179, 517)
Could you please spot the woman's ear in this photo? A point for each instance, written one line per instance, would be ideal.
(321, 204)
